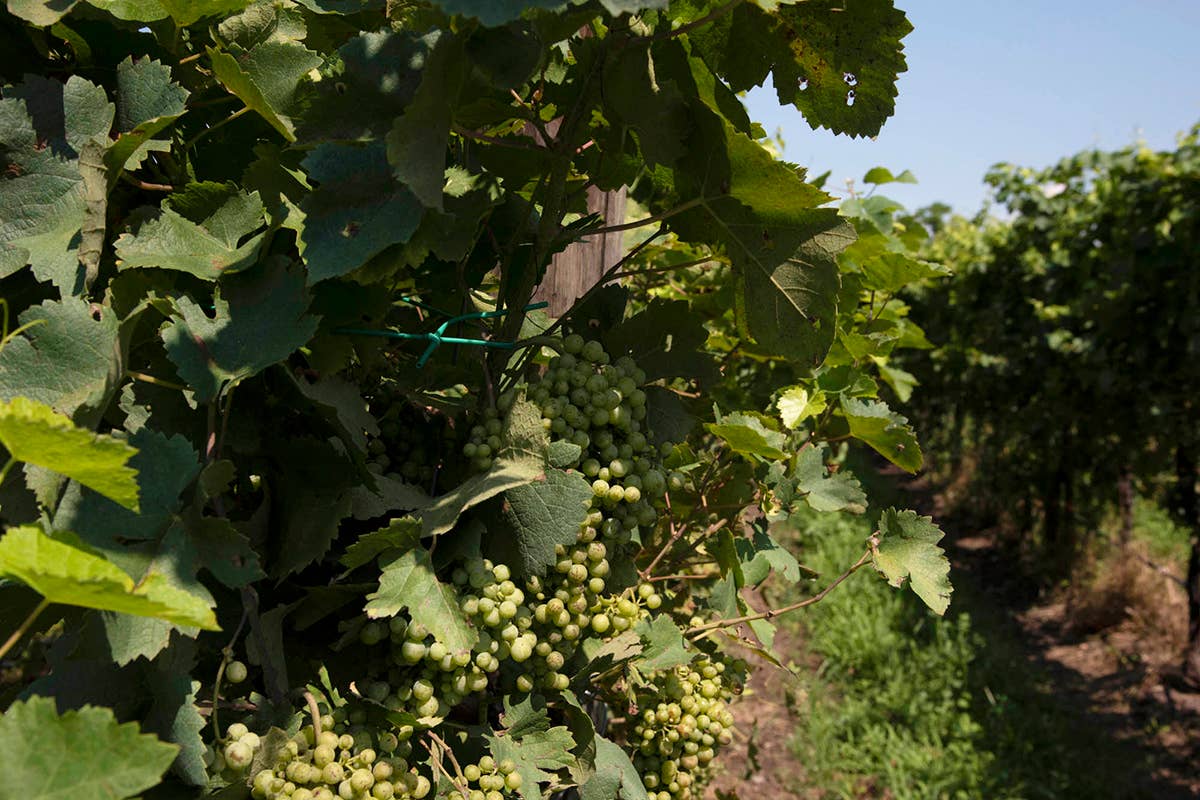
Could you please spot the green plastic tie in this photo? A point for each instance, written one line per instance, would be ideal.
(438, 337)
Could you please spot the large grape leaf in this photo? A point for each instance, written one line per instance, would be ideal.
(654, 109)
(266, 78)
(62, 571)
(68, 357)
(82, 754)
(537, 753)
(616, 778)
(34, 433)
(837, 63)
(416, 145)
(382, 70)
(260, 318)
(408, 581)
(907, 549)
(165, 467)
(498, 12)
(886, 431)
(45, 126)
(546, 513)
(40, 12)
(521, 460)
(315, 490)
(770, 223)
(208, 248)
(357, 211)
(147, 102)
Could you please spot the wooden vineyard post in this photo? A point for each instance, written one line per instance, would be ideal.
(578, 268)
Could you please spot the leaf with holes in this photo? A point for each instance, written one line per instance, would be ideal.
(538, 754)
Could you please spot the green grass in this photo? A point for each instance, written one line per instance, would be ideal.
(927, 708)
(1166, 540)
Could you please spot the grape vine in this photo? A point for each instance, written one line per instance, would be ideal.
(304, 496)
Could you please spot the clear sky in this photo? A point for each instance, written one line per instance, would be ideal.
(1024, 81)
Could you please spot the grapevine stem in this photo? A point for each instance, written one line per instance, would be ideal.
(314, 712)
(669, 268)
(141, 376)
(192, 141)
(4, 470)
(226, 657)
(650, 220)
(459, 784)
(700, 631)
(28, 623)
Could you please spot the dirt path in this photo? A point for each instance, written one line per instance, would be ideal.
(1110, 690)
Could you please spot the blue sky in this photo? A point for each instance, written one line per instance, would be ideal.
(1024, 81)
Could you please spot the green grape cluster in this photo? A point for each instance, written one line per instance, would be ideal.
(529, 629)
(410, 439)
(683, 723)
(231, 761)
(490, 779)
(333, 764)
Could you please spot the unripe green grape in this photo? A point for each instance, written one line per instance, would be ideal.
(236, 731)
(236, 672)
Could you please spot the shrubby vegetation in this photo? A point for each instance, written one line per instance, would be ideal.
(304, 496)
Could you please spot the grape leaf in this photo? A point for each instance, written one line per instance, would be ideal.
(748, 435)
(538, 754)
(44, 127)
(82, 754)
(796, 405)
(35, 434)
(416, 144)
(839, 491)
(40, 12)
(357, 211)
(130, 638)
(887, 432)
(497, 12)
(616, 778)
(165, 467)
(837, 64)
(67, 358)
(907, 549)
(545, 513)
(224, 552)
(398, 535)
(891, 272)
(521, 460)
(147, 102)
(760, 555)
(207, 249)
(66, 573)
(259, 319)
(882, 175)
(266, 78)
(664, 646)
(315, 490)
(389, 494)
(768, 219)
(408, 581)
